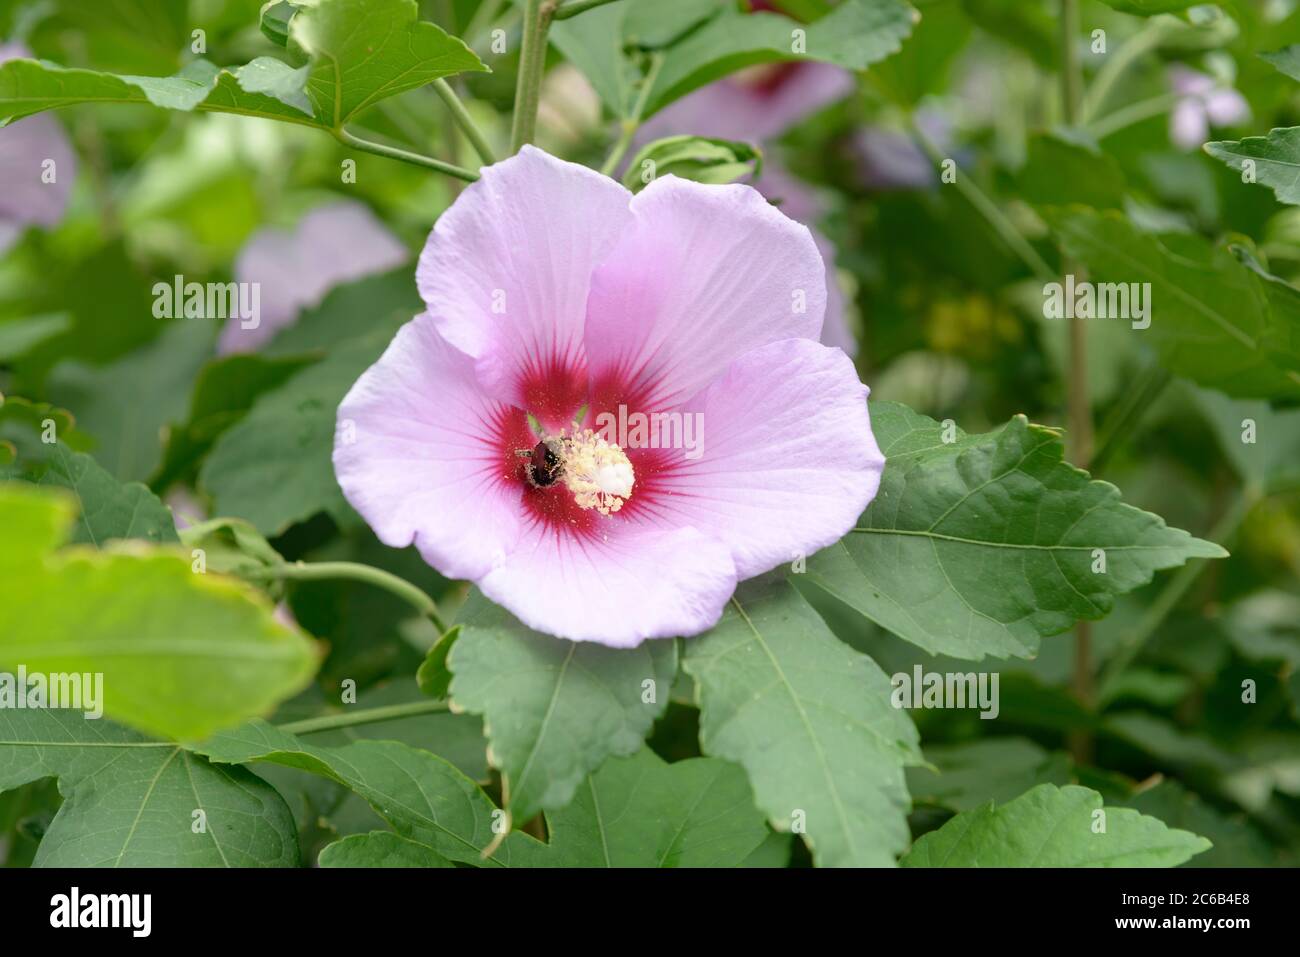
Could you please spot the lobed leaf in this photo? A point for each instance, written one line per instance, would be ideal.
(181, 654)
(133, 802)
(553, 710)
(810, 721)
(986, 544)
(1050, 826)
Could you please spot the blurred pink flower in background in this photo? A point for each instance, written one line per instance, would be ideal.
(893, 160)
(333, 244)
(754, 105)
(25, 146)
(1203, 102)
(553, 292)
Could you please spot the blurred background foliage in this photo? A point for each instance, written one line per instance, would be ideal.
(949, 321)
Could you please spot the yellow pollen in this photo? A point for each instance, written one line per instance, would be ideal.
(597, 473)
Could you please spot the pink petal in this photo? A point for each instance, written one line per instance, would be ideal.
(702, 275)
(507, 270)
(1188, 125)
(744, 108)
(186, 508)
(789, 460)
(1227, 107)
(618, 588)
(720, 110)
(809, 88)
(333, 244)
(1188, 82)
(800, 202)
(889, 160)
(24, 148)
(419, 453)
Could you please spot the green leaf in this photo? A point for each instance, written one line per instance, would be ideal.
(434, 677)
(146, 35)
(643, 812)
(109, 509)
(593, 42)
(1262, 443)
(19, 336)
(277, 80)
(29, 86)
(380, 849)
(1286, 60)
(1273, 160)
(361, 52)
(423, 797)
(387, 301)
(856, 34)
(554, 710)
(224, 391)
(1054, 827)
(964, 776)
(1148, 8)
(126, 404)
(697, 158)
(1064, 167)
(107, 296)
(131, 802)
(650, 24)
(274, 21)
(811, 722)
(1266, 627)
(181, 654)
(274, 466)
(231, 546)
(1237, 843)
(1214, 319)
(923, 67)
(985, 544)
(1027, 26)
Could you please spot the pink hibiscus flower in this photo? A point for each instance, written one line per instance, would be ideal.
(558, 303)
(1202, 102)
(336, 243)
(754, 105)
(27, 198)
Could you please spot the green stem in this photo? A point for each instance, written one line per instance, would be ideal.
(989, 210)
(633, 123)
(532, 65)
(1133, 113)
(1176, 588)
(1071, 70)
(354, 571)
(406, 156)
(351, 719)
(464, 120)
(575, 7)
(1137, 46)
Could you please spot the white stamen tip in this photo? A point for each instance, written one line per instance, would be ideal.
(597, 473)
